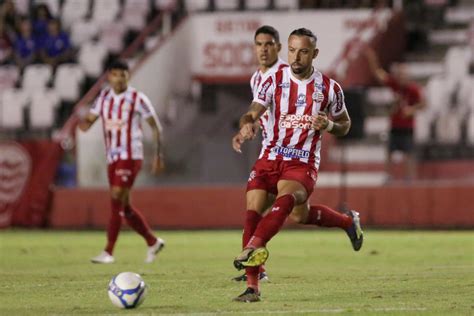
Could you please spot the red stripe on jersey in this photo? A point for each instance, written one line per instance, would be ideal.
(293, 97)
(277, 98)
(307, 111)
(119, 118)
(103, 95)
(108, 141)
(282, 66)
(324, 104)
(129, 125)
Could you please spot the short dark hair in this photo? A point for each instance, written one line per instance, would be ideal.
(118, 64)
(270, 30)
(305, 32)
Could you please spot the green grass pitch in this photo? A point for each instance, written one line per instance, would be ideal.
(312, 272)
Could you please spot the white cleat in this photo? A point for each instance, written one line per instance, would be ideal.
(104, 257)
(154, 250)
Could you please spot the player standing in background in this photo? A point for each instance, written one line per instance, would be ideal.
(408, 100)
(267, 46)
(298, 99)
(121, 109)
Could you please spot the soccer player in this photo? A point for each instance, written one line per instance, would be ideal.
(409, 100)
(298, 99)
(267, 46)
(121, 109)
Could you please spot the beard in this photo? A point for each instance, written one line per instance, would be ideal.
(298, 69)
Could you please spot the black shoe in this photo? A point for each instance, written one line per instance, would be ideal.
(262, 277)
(250, 257)
(355, 232)
(249, 296)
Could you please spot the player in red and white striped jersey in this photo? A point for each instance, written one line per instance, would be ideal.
(267, 46)
(298, 99)
(121, 109)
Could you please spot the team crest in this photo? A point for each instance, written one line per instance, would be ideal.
(301, 101)
(318, 96)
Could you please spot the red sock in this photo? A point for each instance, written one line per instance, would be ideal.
(136, 220)
(322, 215)
(113, 228)
(271, 224)
(252, 277)
(252, 218)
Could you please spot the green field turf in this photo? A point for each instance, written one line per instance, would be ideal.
(312, 272)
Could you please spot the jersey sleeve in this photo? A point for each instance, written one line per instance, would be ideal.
(265, 91)
(95, 109)
(337, 105)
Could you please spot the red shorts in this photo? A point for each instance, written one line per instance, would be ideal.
(122, 173)
(265, 175)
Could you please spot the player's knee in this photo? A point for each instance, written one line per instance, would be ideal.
(119, 194)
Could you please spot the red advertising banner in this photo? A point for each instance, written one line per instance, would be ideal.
(27, 171)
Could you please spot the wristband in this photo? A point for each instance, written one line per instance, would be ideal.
(330, 126)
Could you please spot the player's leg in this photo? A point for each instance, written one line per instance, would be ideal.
(324, 216)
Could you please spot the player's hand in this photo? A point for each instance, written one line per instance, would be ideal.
(237, 142)
(408, 111)
(248, 131)
(320, 121)
(158, 165)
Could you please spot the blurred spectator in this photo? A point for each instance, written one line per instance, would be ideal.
(408, 100)
(57, 47)
(6, 48)
(25, 45)
(9, 16)
(41, 18)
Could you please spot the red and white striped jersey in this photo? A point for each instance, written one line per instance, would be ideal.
(255, 81)
(291, 104)
(122, 116)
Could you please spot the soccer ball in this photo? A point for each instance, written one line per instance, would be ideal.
(127, 290)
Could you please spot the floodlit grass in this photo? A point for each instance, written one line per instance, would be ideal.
(311, 272)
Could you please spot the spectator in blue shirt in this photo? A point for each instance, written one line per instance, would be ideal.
(57, 47)
(25, 45)
(41, 18)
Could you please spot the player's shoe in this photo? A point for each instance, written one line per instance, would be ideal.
(262, 277)
(355, 232)
(103, 257)
(251, 257)
(249, 296)
(154, 250)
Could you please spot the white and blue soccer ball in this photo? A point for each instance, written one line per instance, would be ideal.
(127, 290)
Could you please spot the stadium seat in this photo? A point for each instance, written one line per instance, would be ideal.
(422, 133)
(9, 75)
(380, 96)
(257, 4)
(53, 5)
(465, 96)
(196, 5)
(470, 129)
(42, 108)
(166, 5)
(74, 10)
(22, 6)
(226, 4)
(13, 102)
(112, 36)
(376, 125)
(448, 128)
(139, 5)
(286, 4)
(36, 77)
(105, 11)
(457, 62)
(91, 57)
(83, 31)
(67, 82)
(134, 19)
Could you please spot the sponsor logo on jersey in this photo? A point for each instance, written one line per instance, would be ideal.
(262, 94)
(301, 101)
(302, 121)
(284, 85)
(114, 124)
(339, 101)
(291, 152)
(318, 96)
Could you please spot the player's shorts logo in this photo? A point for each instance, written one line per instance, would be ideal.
(291, 152)
(252, 175)
(15, 169)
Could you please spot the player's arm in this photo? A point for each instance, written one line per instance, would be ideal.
(158, 164)
(248, 125)
(374, 65)
(338, 126)
(87, 121)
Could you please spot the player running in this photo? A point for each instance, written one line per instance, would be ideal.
(297, 100)
(121, 109)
